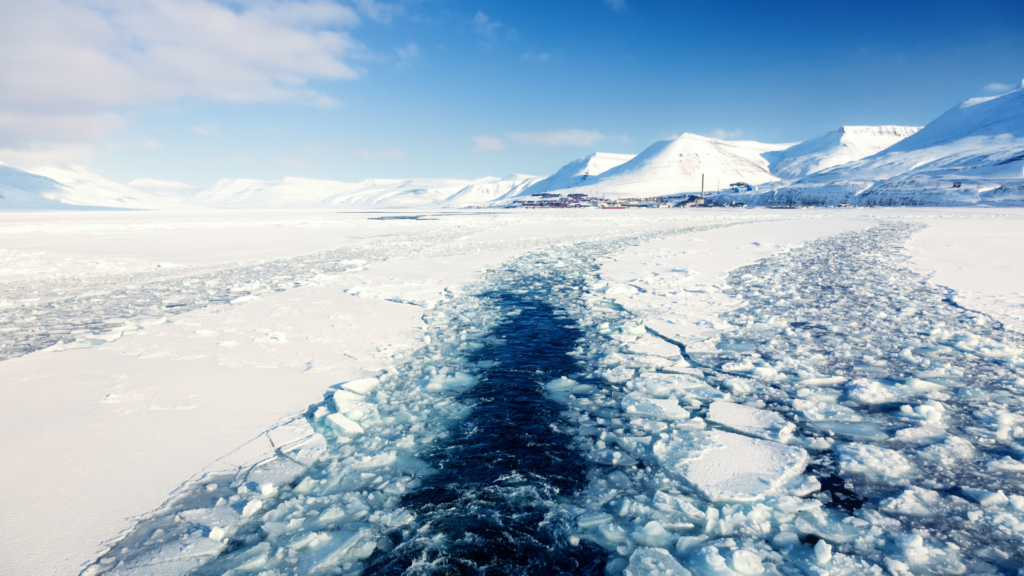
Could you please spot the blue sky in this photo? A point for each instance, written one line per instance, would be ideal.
(197, 90)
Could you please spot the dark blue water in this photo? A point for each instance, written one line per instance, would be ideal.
(493, 508)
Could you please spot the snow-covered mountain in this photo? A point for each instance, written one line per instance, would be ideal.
(579, 172)
(71, 187)
(377, 193)
(26, 191)
(846, 144)
(974, 153)
(487, 191)
(675, 166)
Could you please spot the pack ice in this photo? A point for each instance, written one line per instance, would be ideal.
(850, 422)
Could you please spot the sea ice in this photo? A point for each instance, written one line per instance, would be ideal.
(636, 405)
(874, 462)
(661, 385)
(752, 421)
(729, 467)
(654, 562)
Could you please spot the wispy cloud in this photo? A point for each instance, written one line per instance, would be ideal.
(569, 137)
(242, 159)
(538, 56)
(723, 134)
(207, 130)
(488, 143)
(616, 4)
(78, 63)
(43, 155)
(151, 143)
(998, 87)
(379, 11)
(484, 26)
(406, 54)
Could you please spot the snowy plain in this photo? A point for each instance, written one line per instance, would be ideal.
(161, 350)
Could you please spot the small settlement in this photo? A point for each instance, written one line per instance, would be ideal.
(549, 200)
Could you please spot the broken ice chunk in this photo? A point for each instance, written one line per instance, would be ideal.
(670, 503)
(660, 385)
(1006, 464)
(654, 562)
(913, 502)
(618, 374)
(457, 382)
(823, 552)
(276, 472)
(361, 386)
(858, 430)
(831, 525)
(252, 507)
(343, 426)
(866, 391)
(872, 461)
(729, 467)
(562, 384)
(654, 346)
(747, 562)
(947, 453)
(986, 498)
(353, 409)
(653, 534)
(611, 458)
(309, 451)
(636, 405)
(591, 519)
(761, 423)
(224, 519)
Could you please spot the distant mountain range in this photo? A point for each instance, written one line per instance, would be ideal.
(972, 154)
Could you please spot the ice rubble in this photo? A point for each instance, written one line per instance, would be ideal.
(906, 409)
(864, 426)
(330, 494)
(69, 312)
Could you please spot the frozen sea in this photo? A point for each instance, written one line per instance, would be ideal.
(568, 392)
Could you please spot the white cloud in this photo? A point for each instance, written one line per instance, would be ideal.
(159, 184)
(242, 160)
(484, 26)
(207, 130)
(151, 144)
(539, 57)
(570, 137)
(616, 4)
(998, 87)
(488, 143)
(68, 67)
(722, 134)
(33, 156)
(407, 54)
(379, 11)
(19, 128)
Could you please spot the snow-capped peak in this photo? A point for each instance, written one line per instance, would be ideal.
(840, 146)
